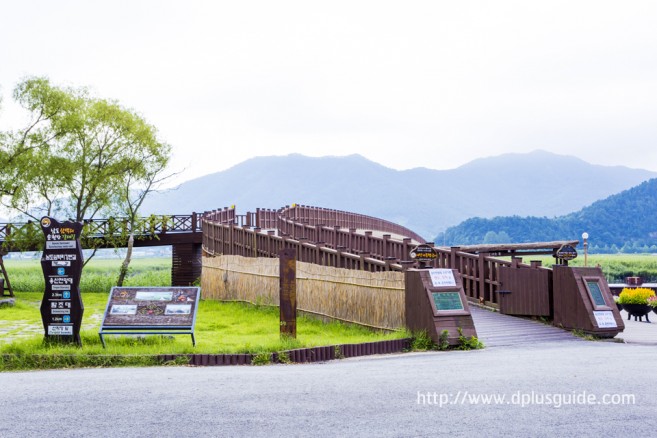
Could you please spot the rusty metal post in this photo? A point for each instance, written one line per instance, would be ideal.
(288, 292)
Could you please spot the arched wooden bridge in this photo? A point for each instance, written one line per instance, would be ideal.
(319, 235)
(354, 239)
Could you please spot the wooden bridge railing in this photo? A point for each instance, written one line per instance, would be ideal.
(331, 238)
(27, 235)
(336, 218)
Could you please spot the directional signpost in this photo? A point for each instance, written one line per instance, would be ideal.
(61, 262)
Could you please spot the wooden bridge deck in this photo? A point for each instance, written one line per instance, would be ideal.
(495, 329)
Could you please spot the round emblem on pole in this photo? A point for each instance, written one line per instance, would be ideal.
(423, 253)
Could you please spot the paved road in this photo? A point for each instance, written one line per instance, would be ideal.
(396, 395)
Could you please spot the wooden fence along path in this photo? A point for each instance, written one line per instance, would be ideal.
(374, 299)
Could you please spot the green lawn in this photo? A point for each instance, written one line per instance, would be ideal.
(220, 328)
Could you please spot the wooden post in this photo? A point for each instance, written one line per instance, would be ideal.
(482, 294)
(288, 292)
(5, 285)
(256, 231)
(453, 257)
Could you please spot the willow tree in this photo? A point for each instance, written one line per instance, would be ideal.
(138, 184)
(76, 153)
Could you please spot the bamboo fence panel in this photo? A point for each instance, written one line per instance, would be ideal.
(374, 299)
(237, 278)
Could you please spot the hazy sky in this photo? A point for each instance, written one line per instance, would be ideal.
(404, 83)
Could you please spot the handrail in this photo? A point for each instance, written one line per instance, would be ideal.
(346, 240)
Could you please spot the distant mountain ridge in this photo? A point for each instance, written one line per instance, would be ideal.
(625, 222)
(427, 201)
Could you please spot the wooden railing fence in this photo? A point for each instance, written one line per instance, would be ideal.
(333, 238)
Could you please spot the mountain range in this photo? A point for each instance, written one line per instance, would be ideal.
(427, 201)
(625, 222)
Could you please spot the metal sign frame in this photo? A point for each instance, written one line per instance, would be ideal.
(145, 315)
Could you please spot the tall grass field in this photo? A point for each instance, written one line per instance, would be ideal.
(615, 267)
(99, 275)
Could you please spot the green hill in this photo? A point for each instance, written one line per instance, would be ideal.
(625, 222)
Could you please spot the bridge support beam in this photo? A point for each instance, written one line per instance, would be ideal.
(185, 263)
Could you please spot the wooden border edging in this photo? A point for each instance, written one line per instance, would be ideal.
(301, 355)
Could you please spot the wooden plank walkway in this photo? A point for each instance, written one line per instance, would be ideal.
(495, 329)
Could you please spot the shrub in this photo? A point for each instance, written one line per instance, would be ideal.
(261, 359)
(652, 301)
(471, 343)
(422, 341)
(635, 295)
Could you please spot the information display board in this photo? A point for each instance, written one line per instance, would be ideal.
(604, 319)
(442, 277)
(593, 287)
(436, 303)
(447, 301)
(151, 310)
(61, 263)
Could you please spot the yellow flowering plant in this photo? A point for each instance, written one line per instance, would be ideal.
(636, 295)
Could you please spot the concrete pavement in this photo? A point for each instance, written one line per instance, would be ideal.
(547, 389)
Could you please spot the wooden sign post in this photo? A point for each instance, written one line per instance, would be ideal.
(288, 292)
(583, 301)
(435, 302)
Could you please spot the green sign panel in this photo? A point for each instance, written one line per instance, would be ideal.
(447, 301)
(596, 293)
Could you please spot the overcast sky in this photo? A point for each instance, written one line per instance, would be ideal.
(404, 83)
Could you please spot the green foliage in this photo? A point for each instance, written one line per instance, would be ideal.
(261, 359)
(283, 357)
(636, 295)
(26, 275)
(421, 341)
(443, 343)
(471, 343)
(652, 301)
(77, 157)
(221, 328)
